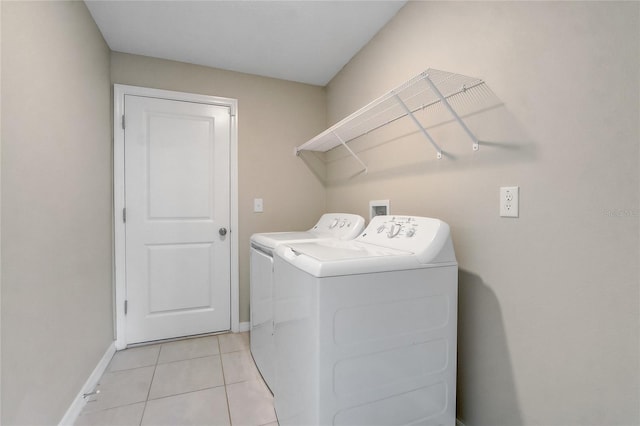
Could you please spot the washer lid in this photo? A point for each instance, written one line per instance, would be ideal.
(274, 239)
(335, 258)
(330, 225)
(334, 250)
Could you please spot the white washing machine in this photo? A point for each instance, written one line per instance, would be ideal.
(365, 330)
(334, 226)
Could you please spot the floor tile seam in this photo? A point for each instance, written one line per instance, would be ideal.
(158, 361)
(159, 353)
(253, 379)
(144, 409)
(87, 409)
(224, 380)
(121, 353)
(184, 393)
(238, 350)
(186, 359)
(129, 369)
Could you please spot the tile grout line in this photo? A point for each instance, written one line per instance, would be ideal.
(224, 379)
(155, 366)
(187, 359)
(183, 393)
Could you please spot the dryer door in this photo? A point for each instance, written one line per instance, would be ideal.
(261, 289)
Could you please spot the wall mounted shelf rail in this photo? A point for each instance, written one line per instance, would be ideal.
(428, 89)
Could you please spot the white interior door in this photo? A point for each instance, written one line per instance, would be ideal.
(177, 201)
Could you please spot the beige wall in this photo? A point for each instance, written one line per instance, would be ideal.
(56, 207)
(548, 331)
(274, 117)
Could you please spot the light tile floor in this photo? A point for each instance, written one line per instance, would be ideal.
(201, 381)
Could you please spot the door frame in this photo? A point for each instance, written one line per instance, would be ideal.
(119, 278)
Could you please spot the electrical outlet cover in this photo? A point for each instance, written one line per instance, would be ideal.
(509, 201)
(258, 205)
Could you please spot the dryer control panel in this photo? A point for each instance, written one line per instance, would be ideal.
(409, 233)
(339, 225)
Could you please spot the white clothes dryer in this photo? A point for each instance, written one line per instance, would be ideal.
(330, 226)
(365, 330)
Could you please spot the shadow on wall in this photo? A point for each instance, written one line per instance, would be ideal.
(486, 389)
(315, 161)
(399, 150)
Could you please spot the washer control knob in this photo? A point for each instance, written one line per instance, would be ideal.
(333, 224)
(394, 231)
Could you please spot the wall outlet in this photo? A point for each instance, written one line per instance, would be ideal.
(258, 206)
(509, 201)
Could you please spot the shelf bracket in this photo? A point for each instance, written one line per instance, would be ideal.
(417, 123)
(353, 154)
(452, 111)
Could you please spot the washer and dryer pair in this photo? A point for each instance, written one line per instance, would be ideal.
(364, 330)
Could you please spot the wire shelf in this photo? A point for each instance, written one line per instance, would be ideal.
(428, 90)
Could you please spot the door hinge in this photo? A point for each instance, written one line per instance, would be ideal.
(123, 127)
(124, 215)
(126, 306)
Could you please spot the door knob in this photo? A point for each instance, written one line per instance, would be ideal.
(222, 231)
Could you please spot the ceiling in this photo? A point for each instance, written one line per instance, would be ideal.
(304, 41)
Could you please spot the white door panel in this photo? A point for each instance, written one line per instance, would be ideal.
(177, 198)
(173, 167)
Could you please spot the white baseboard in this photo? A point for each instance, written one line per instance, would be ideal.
(244, 326)
(79, 402)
